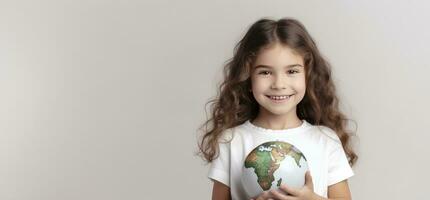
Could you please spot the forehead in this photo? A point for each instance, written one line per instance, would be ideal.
(277, 56)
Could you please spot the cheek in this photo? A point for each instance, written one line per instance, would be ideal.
(302, 85)
(299, 85)
(258, 84)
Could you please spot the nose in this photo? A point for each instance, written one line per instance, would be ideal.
(278, 82)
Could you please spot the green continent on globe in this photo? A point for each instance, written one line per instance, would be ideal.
(265, 159)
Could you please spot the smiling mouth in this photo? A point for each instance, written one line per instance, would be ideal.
(279, 97)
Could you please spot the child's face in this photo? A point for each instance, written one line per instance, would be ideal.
(279, 71)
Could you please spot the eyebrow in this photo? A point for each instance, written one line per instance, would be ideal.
(270, 67)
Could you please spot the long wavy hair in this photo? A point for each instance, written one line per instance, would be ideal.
(234, 104)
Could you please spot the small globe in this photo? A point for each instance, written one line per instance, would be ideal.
(271, 164)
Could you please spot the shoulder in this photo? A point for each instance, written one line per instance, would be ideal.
(325, 134)
(226, 136)
(231, 133)
(329, 133)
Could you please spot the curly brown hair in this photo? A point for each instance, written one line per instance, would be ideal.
(234, 104)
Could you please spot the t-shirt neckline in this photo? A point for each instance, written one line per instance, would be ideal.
(302, 127)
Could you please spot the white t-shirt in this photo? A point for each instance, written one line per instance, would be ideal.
(320, 145)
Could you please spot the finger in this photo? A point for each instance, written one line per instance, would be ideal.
(278, 194)
(289, 190)
(260, 198)
(263, 196)
(308, 180)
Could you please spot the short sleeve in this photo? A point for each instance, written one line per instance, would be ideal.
(338, 165)
(220, 167)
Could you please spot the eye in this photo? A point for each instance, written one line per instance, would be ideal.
(264, 72)
(292, 71)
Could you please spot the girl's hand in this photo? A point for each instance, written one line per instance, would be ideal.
(305, 193)
(266, 195)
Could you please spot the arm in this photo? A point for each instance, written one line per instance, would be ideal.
(220, 191)
(338, 191)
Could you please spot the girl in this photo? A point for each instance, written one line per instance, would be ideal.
(278, 90)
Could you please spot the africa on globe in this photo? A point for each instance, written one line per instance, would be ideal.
(271, 164)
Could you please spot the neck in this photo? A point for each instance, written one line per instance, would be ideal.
(277, 122)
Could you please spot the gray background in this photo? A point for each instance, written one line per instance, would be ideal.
(102, 99)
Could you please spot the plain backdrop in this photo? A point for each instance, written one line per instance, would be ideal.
(102, 99)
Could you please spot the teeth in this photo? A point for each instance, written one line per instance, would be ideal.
(279, 97)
